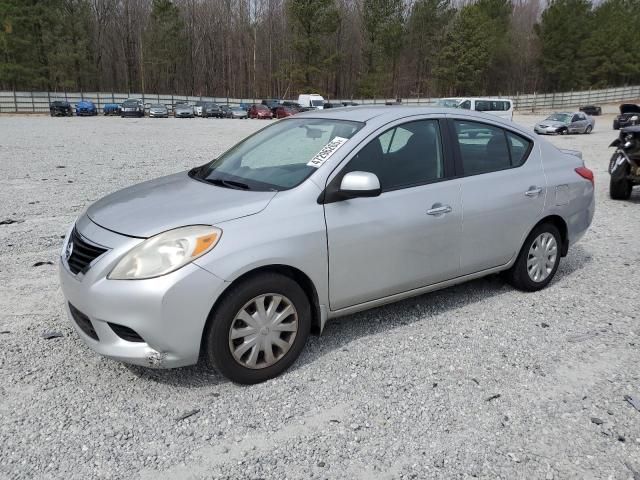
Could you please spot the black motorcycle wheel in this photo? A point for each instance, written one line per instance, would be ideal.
(620, 189)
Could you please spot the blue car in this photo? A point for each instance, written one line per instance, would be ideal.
(86, 109)
(111, 109)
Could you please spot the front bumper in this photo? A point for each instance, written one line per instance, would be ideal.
(168, 313)
(546, 130)
(158, 114)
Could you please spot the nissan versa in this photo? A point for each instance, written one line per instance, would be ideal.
(316, 216)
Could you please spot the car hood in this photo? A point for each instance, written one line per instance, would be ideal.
(552, 123)
(85, 105)
(629, 108)
(174, 201)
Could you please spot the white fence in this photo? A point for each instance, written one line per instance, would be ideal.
(38, 102)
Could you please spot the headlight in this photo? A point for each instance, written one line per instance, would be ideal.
(166, 252)
(634, 118)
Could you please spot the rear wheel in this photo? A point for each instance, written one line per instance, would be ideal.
(538, 259)
(258, 329)
(620, 189)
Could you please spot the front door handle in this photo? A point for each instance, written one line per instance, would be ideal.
(533, 191)
(438, 209)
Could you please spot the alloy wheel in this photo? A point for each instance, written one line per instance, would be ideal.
(542, 257)
(263, 331)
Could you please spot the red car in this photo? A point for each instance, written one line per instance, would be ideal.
(260, 111)
(282, 112)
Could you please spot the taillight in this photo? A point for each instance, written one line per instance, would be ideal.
(585, 173)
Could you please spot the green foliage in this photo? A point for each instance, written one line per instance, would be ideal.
(313, 21)
(564, 32)
(426, 30)
(476, 48)
(384, 29)
(611, 53)
(164, 43)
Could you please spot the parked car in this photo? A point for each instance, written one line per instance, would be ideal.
(59, 108)
(224, 110)
(198, 109)
(111, 109)
(271, 104)
(350, 104)
(564, 123)
(629, 116)
(283, 112)
(311, 100)
(158, 110)
(86, 108)
(183, 110)
(211, 109)
(132, 108)
(237, 112)
(591, 110)
(501, 107)
(237, 260)
(260, 112)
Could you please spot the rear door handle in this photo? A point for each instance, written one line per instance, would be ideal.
(438, 209)
(533, 191)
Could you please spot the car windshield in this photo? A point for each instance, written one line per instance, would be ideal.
(277, 157)
(317, 103)
(448, 103)
(130, 103)
(157, 106)
(559, 117)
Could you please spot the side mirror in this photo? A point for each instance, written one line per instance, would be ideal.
(360, 184)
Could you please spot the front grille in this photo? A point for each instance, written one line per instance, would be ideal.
(83, 322)
(125, 333)
(82, 253)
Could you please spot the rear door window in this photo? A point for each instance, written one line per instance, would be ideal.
(486, 148)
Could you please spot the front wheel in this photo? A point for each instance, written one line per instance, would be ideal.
(538, 259)
(588, 129)
(258, 329)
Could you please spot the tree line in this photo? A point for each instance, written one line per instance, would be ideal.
(339, 48)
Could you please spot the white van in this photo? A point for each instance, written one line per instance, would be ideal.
(311, 100)
(502, 107)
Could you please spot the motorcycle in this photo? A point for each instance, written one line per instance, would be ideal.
(624, 166)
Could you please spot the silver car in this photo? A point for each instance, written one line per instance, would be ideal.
(320, 215)
(183, 110)
(158, 111)
(564, 123)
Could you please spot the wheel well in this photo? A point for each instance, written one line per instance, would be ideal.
(299, 276)
(561, 225)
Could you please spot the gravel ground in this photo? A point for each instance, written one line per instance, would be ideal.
(478, 380)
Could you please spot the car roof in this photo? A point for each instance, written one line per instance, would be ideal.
(366, 113)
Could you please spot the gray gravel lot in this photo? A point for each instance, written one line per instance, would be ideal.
(478, 380)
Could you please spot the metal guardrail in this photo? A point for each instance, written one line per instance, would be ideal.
(38, 102)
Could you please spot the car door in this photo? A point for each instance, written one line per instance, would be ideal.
(405, 238)
(503, 190)
(576, 124)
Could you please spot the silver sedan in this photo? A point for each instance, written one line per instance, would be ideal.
(317, 216)
(564, 123)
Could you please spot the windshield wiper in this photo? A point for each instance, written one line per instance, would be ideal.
(228, 183)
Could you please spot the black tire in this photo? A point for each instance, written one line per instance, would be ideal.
(620, 189)
(564, 131)
(588, 129)
(616, 125)
(215, 342)
(518, 276)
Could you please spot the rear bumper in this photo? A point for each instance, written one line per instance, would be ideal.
(168, 313)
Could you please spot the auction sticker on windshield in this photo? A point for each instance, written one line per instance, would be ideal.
(329, 149)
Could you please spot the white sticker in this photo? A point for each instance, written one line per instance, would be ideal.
(325, 153)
